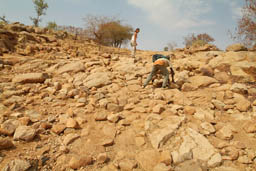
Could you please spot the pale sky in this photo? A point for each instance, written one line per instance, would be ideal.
(160, 21)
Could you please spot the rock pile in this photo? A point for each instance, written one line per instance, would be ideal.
(66, 105)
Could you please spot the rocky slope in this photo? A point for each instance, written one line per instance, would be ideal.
(67, 104)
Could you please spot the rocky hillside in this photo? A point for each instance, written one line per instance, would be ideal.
(67, 104)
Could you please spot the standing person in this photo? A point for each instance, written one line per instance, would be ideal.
(134, 41)
(161, 65)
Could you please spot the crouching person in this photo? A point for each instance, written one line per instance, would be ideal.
(161, 65)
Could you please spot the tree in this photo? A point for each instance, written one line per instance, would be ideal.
(77, 31)
(197, 40)
(40, 7)
(3, 20)
(246, 29)
(171, 46)
(114, 33)
(52, 25)
(107, 30)
(166, 48)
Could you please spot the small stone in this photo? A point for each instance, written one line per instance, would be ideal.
(9, 126)
(114, 118)
(140, 141)
(5, 143)
(126, 165)
(46, 125)
(70, 138)
(107, 142)
(225, 133)
(250, 127)
(72, 123)
(64, 149)
(215, 160)
(59, 128)
(77, 162)
(189, 110)
(230, 153)
(208, 127)
(125, 122)
(24, 120)
(254, 103)
(101, 117)
(24, 133)
(30, 78)
(244, 160)
(158, 109)
(85, 132)
(166, 158)
(218, 104)
(162, 167)
(17, 165)
(102, 158)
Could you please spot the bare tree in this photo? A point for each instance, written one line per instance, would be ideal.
(40, 7)
(172, 45)
(246, 29)
(3, 19)
(200, 39)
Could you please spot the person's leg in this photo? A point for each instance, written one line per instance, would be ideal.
(165, 73)
(172, 73)
(134, 51)
(153, 72)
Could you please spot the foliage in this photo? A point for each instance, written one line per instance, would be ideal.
(171, 46)
(3, 20)
(246, 29)
(40, 7)
(107, 30)
(197, 40)
(166, 48)
(77, 31)
(52, 25)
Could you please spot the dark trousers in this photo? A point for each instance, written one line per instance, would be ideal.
(164, 71)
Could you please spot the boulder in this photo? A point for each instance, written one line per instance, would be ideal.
(30, 78)
(97, 80)
(70, 138)
(24, 133)
(148, 159)
(76, 162)
(5, 143)
(71, 67)
(202, 81)
(17, 165)
(159, 137)
(204, 149)
(236, 47)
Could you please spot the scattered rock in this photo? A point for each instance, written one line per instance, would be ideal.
(71, 67)
(5, 143)
(59, 128)
(25, 133)
(72, 123)
(215, 160)
(17, 165)
(30, 78)
(76, 162)
(148, 159)
(70, 138)
(126, 165)
(102, 158)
